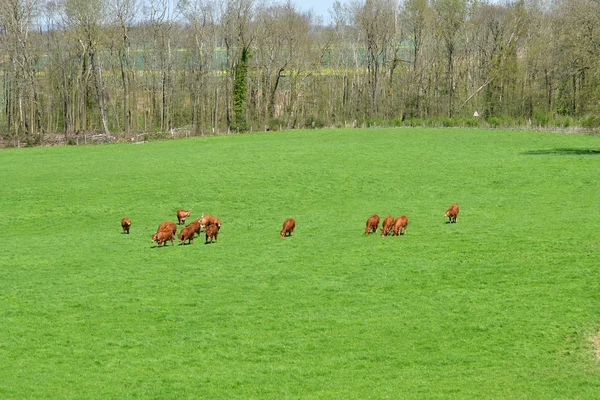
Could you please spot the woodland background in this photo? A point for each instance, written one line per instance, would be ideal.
(74, 71)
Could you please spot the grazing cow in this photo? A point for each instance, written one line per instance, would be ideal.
(211, 232)
(167, 226)
(401, 223)
(288, 227)
(452, 213)
(162, 237)
(187, 233)
(387, 226)
(196, 225)
(207, 220)
(125, 224)
(182, 215)
(372, 224)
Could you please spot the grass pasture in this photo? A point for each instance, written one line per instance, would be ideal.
(503, 304)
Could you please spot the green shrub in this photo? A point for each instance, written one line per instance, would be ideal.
(448, 122)
(274, 124)
(541, 118)
(471, 122)
(313, 122)
(494, 122)
(397, 122)
(591, 122)
(413, 122)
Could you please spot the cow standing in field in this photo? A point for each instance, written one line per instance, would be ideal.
(452, 213)
(167, 226)
(182, 215)
(187, 233)
(387, 226)
(400, 224)
(165, 232)
(211, 232)
(125, 224)
(372, 224)
(196, 226)
(162, 237)
(288, 227)
(207, 220)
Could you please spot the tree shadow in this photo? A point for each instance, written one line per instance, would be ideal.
(563, 151)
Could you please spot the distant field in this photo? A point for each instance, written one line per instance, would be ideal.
(501, 305)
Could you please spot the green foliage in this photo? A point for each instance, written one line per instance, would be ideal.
(471, 122)
(591, 122)
(541, 118)
(494, 122)
(413, 122)
(313, 122)
(275, 124)
(240, 92)
(500, 305)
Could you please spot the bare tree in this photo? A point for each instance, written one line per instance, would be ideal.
(123, 13)
(17, 17)
(451, 16)
(376, 20)
(200, 16)
(87, 18)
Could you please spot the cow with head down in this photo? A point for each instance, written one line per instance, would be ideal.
(166, 231)
(211, 232)
(452, 213)
(162, 237)
(288, 227)
(400, 224)
(125, 224)
(187, 233)
(182, 216)
(387, 226)
(372, 224)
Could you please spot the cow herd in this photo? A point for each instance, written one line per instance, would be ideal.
(167, 231)
(390, 225)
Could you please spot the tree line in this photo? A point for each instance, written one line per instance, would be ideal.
(125, 68)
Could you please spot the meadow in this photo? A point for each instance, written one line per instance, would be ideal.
(502, 304)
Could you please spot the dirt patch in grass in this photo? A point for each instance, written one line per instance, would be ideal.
(596, 341)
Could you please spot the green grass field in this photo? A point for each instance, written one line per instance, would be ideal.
(501, 305)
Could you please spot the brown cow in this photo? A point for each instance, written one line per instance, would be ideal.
(388, 225)
(288, 227)
(125, 224)
(211, 232)
(182, 215)
(207, 220)
(196, 225)
(372, 224)
(167, 226)
(452, 213)
(187, 233)
(401, 223)
(164, 236)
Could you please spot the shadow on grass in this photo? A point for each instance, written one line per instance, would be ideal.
(563, 152)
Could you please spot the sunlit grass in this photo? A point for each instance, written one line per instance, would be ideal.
(502, 304)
